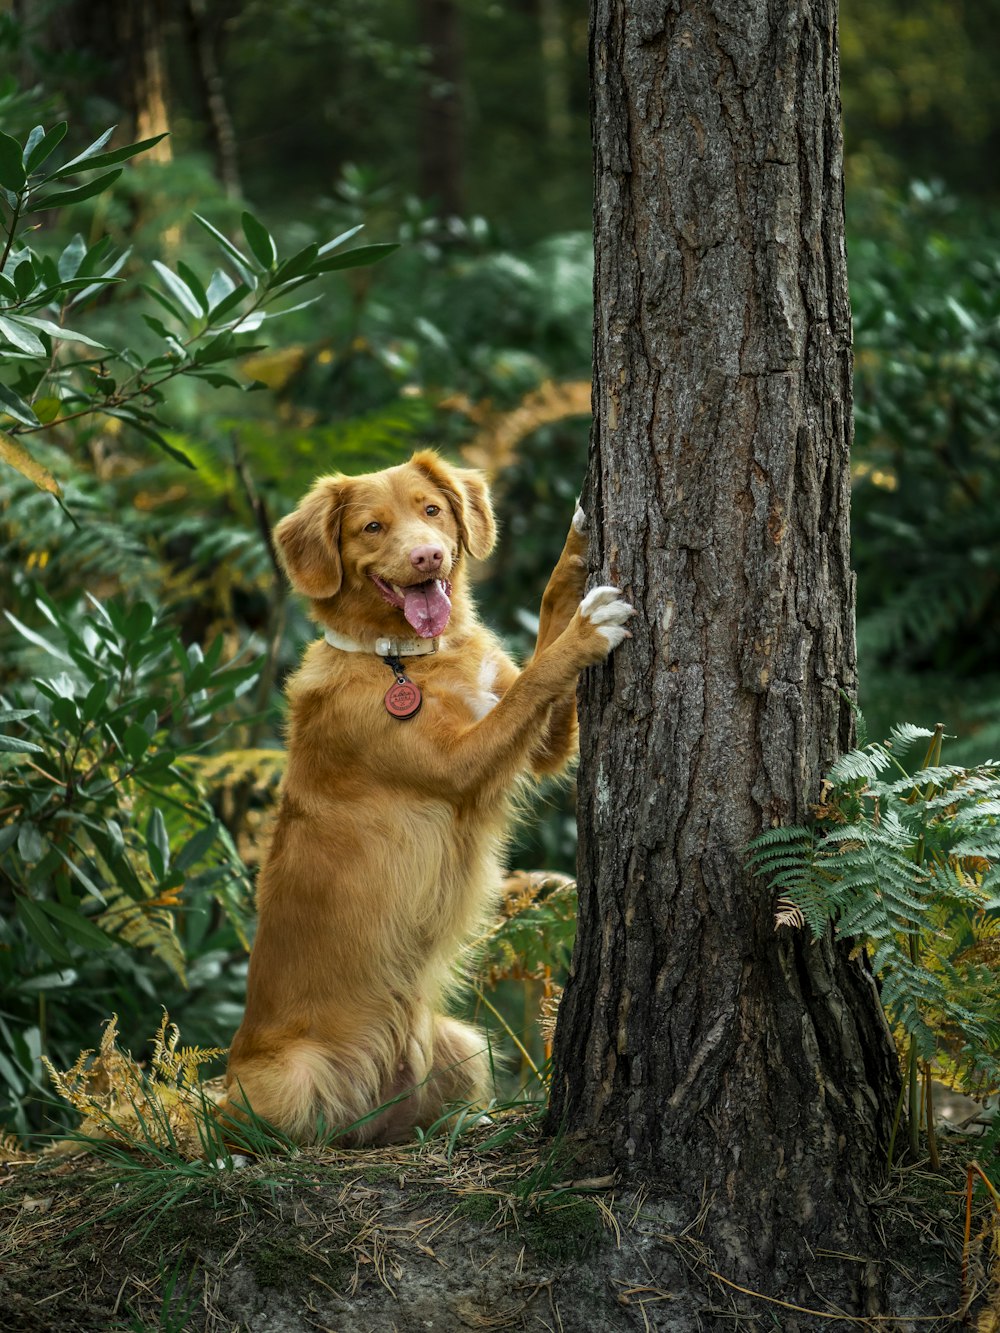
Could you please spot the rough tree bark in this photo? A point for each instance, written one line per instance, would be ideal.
(441, 155)
(729, 1062)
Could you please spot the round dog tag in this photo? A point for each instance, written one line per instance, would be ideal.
(403, 699)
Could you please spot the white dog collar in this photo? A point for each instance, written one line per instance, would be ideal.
(383, 647)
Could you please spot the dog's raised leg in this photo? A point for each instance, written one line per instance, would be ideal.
(564, 590)
(563, 594)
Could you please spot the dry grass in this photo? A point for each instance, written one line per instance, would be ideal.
(478, 1225)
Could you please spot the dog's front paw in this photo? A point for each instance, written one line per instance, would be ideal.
(575, 560)
(602, 618)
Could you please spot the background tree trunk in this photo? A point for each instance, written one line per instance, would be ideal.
(441, 112)
(734, 1064)
(127, 42)
(203, 42)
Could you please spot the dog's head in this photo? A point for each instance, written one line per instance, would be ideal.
(389, 543)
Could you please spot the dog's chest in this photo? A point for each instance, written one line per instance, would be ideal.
(479, 696)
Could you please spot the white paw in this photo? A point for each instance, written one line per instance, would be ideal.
(579, 520)
(606, 611)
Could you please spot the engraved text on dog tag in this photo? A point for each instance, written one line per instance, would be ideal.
(403, 699)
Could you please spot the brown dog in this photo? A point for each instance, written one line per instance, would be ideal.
(397, 799)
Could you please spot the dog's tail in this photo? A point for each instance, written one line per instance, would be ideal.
(308, 1092)
(305, 1092)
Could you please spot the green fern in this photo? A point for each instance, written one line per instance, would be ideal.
(907, 863)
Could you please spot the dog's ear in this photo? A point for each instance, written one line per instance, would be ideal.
(469, 497)
(308, 541)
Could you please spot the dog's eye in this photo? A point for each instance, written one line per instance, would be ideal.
(373, 527)
(431, 510)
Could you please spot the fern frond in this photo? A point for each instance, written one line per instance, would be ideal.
(144, 926)
(904, 735)
(788, 913)
(117, 1099)
(860, 765)
(231, 768)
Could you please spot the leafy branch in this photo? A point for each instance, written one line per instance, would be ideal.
(207, 325)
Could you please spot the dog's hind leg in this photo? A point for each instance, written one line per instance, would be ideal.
(459, 1076)
(462, 1072)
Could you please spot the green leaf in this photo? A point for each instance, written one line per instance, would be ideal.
(72, 257)
(157, 325)
(138, 622)
(144, 428)
(65, 712)
(14, 332)
(47, 409)
(40, 145)
(196, 847)
(341, 239)
(224, 241)
(38, 640)
(298, 266)
(12, 173)
(194, 284)
(101, 280)
(25, 279)
(167, 304)
(179, 289)
(96, 698)
(135, 741)
(364, 254)
(259, 240)
(117, 839)
(49, 981)
(17, 714)
(75, 196)
(58, 331)
(88, 162)
(229, 302)
(218, 380)
(8, 836)
(38, 926)
(77, 926)
(157, 844)
(92, 149)
(13, 745)
(17, 408)
(31, 846)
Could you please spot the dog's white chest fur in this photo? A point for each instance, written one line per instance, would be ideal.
(482, 700)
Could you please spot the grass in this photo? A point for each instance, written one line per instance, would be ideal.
(128, 1239)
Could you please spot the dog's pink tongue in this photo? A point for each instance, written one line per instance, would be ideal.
(427, 608)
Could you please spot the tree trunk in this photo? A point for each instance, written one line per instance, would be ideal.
(441, 128)
(203, 41)
(144, 87)
(733, 1064)
(555, 75)
(126, 41)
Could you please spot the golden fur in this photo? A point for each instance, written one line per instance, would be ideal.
(385, 856)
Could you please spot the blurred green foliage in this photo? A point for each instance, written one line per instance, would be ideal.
(475, 336)
(925, 275)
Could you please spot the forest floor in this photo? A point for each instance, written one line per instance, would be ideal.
(447, 1237)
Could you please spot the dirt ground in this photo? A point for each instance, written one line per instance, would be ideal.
(402, 1240)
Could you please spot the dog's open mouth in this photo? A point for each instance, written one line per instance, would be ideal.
(426, 606)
